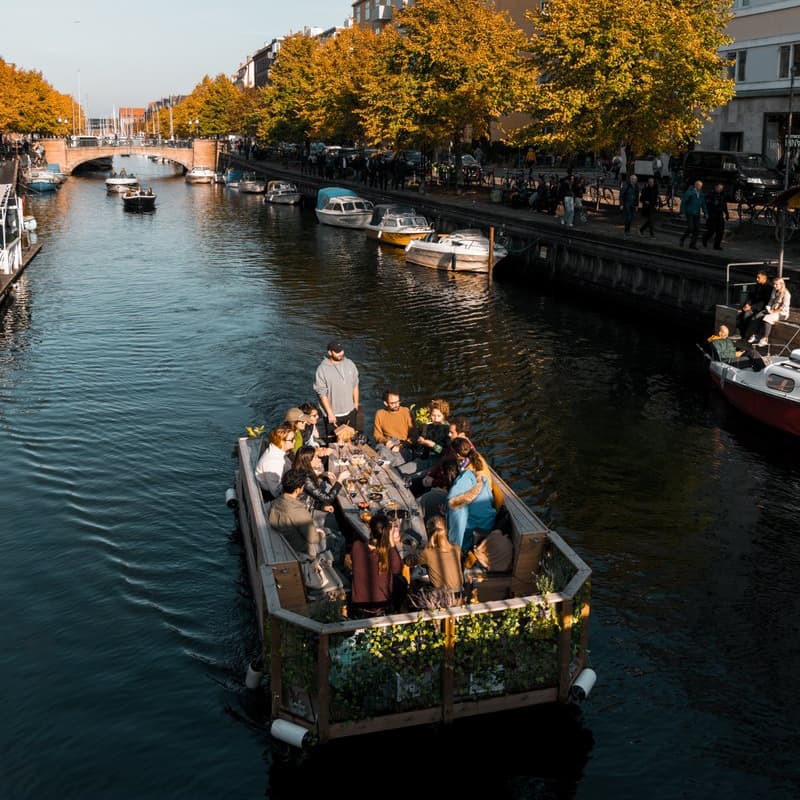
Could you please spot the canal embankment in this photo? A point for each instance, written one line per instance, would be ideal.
(655, 276)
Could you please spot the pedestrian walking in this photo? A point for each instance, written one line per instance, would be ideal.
(717, 207)
(693, 203)
(650, 202)
(629, 201)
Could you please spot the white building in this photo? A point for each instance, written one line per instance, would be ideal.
(766, 45)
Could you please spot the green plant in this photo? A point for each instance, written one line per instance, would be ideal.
(421, 415)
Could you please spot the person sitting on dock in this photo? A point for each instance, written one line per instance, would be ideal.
(274, 462)
(723, 349)
(289, 516)
(378, 585)
(754, 307)
(394, 430)
(777, 309)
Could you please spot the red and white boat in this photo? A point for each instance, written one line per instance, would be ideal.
(770, 395)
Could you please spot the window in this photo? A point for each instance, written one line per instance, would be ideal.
(731, 59)
(780, 383)
(783, 61)
(741, 65)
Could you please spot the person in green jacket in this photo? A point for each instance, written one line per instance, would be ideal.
(692, 203)
(723, 349)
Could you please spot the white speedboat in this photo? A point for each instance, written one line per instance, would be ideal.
(342, 209)
(40, 180)
(122, 182)
(250, 183)
(461, 251)
(771, 395)
(282, 192)
(200, 175)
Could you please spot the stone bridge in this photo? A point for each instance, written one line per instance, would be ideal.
(201, 153)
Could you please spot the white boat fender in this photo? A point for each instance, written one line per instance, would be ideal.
(583, 685)
(253, 678)
(288, 732)
(230, 499)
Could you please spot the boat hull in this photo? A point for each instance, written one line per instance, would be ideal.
(356, 220)
(773, 409)
(199, 179)
(287, 199)
(396, 239)
(251, 187)
(139, 205)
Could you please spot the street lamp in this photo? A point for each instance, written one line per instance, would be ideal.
(787, 150)
(196, 126)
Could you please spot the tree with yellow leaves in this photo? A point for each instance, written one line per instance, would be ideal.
(29, 104)
(446, 68)
(214, 103)
(646, 73)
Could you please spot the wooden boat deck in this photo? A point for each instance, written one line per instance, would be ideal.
(338, 677)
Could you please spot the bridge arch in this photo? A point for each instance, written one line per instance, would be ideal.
(202, 152)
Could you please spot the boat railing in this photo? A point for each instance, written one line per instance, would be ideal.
(342, 678)
(742, 286)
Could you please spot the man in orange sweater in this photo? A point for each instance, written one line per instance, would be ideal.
(394, 430)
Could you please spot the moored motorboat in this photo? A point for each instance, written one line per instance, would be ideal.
(342, 208)
(200, 175)
(770, 393)
(231, 178)
(40, 180)
(461, 251)
(282, 192)
(250, 183)
(139, 200)
(400, 228)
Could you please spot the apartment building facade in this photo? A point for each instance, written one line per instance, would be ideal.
(764, 54)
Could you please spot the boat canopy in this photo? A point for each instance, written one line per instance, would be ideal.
(382, 209)
(325, 194)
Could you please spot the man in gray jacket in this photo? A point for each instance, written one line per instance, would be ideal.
(336, 384)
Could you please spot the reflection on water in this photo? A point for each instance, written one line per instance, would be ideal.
(140, 347)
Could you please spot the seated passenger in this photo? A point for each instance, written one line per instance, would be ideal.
(274, 462)
(458, 427)
(311, 433)
(297, 420)
(394, 430)
(468, 512)
(378, 585)
(434, 437)
(777, 308)
(289, 516)
(723, 349)
(320, 488)
(440, 556)
(495, 553)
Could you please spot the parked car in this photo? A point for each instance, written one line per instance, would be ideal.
(742, 174)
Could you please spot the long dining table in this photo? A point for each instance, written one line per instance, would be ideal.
(375, 485)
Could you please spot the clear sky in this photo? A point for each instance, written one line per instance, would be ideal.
(130, 53)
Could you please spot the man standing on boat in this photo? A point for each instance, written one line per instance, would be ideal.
(336, 385)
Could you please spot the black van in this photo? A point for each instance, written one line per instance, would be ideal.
(742, 174)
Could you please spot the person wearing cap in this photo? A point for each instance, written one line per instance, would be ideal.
(297, 420)
(336, 385)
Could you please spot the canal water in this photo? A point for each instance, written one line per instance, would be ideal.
(140, 346)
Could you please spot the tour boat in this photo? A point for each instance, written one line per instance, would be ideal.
(282, 192)
(139, 200)
(520, 638)
(343, 209)
(122, 182)
(200, 175)
(771, 395)
(250, 183)
(461, 251)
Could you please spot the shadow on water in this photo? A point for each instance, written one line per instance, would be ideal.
(537, 753)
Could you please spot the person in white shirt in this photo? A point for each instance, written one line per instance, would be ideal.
(275, 461)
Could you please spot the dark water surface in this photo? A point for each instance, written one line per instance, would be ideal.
(140, 347)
